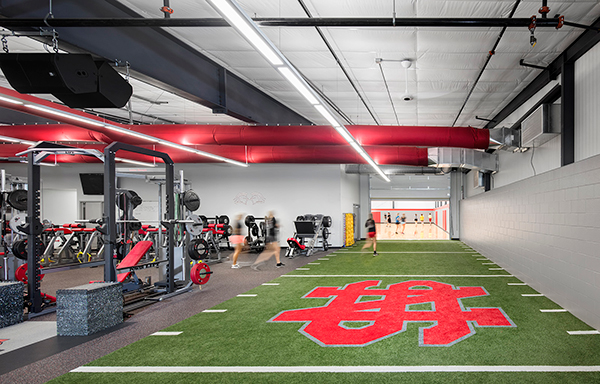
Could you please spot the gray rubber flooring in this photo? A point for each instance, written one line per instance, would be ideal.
(45, 360)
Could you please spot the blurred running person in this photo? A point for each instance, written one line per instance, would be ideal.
(237, 240)
(371, 234)
(403, 222)
(272, 246)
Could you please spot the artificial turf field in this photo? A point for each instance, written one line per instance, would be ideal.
(410, 321)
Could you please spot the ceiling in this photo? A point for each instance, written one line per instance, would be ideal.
(453, 79)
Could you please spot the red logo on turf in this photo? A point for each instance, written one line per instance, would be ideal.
(3, 340)
(358, 315)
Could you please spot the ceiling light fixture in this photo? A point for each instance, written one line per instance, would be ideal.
(239, 20)
(16, 141)
(135, 162)
(254, 36)
(69, 116)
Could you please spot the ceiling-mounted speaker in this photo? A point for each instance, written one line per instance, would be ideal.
(75, 79)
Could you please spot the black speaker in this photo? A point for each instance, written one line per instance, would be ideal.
(49, 72)
(75, 79)
(112, 91)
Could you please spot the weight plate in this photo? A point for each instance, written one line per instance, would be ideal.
(249, 220)
(18, 199)
(262, 226)
(326, 233)
(248, 240)
(128, 198)
(19, 249)
(200, 273)
(191, 200)
(224, 219)
(227, 230)
(16, 221)
(308, 217)
(195, 228)
(300, 218)
(325, 246)
(327, 221)
(204, 221)
(134, 225)
(254, 230)
(21, 274)
(198, 249)
(258, 245)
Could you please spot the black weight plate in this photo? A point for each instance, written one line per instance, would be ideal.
(228, 229)
(224, 219)
(262, 226)
(248, 240)
(249, 220)
(18, 199)
(325, 246)
(254, 230)
(326, 233)
(191, 200)
(197, 249)
(134, 225)
(327, 221)
(300, 218)
(204, 221)
(19, 249)
(308, 217)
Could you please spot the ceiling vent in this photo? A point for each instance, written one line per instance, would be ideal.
(448, 158)
(541, 126)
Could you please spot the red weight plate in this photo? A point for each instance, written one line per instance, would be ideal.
(200, 273)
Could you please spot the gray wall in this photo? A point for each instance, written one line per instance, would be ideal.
(545, 230)
(288, 189)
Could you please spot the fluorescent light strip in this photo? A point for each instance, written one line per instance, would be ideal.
(12, 101)
(240, 21)
(17, 141)
(328, 116)
(132, 133)
(297, 82)
(135, 162)
(66, 115)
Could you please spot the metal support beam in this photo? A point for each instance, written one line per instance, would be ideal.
(157, 57)
(567, 102)
(345, 22)
(456, 195)
(32, 227)
(579, 47)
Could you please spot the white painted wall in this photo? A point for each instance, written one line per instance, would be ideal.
(287, 189)
(587, 102)
(545, 230)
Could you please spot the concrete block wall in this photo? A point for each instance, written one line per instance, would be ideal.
(546, 231)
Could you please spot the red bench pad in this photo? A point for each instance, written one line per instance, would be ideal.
(132, 258)
(294, 243)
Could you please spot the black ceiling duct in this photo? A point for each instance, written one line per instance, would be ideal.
(75, 79)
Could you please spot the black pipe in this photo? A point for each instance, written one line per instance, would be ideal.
(283, 22)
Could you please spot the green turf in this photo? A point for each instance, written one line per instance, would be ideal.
(242, 335)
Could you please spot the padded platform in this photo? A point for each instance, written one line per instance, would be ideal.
(132, 258)
(294, 243)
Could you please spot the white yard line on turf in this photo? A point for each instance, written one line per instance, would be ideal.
(166, 333)
(517, 283)
(313, 264)
(214, 310)
(367, 276)
(345, 369)
(594, 332)
(338, 252)
(270, 284)
(302, 269)
(532, 294)
(246, 295)
(553, 310)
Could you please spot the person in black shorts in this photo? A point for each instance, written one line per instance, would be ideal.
(272, 247)
(371, 234)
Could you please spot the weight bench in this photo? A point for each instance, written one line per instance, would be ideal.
(131, 260)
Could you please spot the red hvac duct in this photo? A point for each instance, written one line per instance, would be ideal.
(459, 137)
(258, 154)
